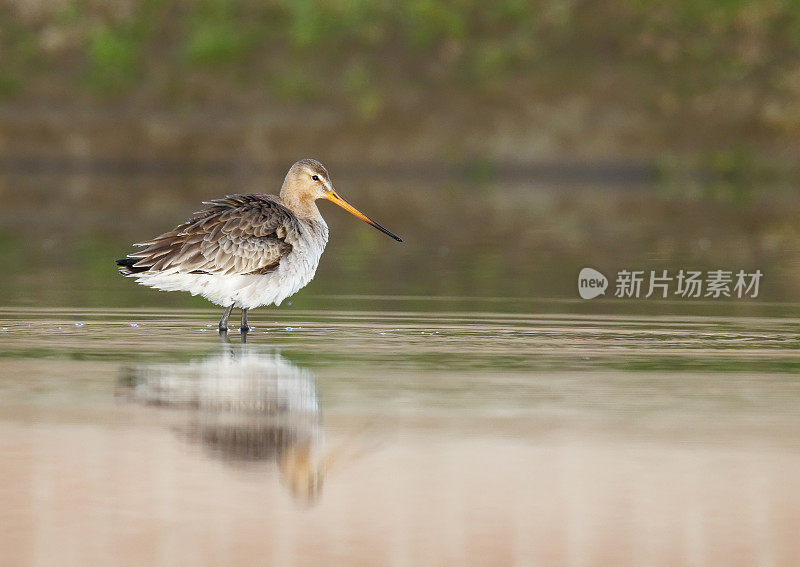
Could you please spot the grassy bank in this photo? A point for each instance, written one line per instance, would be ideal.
(607, 77)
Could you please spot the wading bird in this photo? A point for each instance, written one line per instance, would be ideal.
(245, 250)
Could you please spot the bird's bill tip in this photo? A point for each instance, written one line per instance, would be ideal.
(335, 198)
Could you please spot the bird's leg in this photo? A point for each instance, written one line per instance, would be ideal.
(223, 322)
(244, 328)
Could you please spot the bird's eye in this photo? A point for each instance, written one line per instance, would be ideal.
(315, 177)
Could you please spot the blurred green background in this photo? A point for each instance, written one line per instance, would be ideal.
(510, 143)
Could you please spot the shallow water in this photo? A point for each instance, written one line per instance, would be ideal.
(139, 437)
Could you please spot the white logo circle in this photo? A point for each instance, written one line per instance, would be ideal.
(591, 283)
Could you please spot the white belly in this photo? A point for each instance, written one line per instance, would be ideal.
(248, 291)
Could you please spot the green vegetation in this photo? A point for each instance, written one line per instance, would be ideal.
(113, 58)
(709, 87)
(726, 66)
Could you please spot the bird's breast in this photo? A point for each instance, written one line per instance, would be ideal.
(298, 266)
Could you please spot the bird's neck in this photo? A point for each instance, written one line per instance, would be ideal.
(301, 206)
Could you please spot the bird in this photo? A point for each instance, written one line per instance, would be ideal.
(247, 250)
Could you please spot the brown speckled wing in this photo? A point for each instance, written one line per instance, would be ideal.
(238, 234)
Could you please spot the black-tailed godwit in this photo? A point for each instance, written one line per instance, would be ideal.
(245, 250)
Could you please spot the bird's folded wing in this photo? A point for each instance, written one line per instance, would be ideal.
(238, 234)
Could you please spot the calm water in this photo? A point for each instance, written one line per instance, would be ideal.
(401, 409)
(139, 437)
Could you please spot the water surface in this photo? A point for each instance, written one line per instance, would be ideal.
(138, 437)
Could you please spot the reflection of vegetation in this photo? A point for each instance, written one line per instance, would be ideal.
(734, 176)
(12, 253)
(483, 241)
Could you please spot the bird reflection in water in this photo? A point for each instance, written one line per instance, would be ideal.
(244, 406)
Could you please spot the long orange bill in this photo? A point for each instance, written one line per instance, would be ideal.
(335, 198)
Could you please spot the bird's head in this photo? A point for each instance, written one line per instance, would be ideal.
(308, 180)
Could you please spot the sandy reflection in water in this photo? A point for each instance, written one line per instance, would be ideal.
(235, 455)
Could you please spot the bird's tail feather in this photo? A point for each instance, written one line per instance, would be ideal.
(127, 267)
